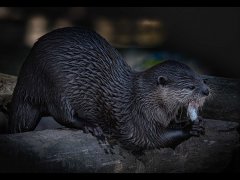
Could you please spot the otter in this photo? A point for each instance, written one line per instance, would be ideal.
(74, 75)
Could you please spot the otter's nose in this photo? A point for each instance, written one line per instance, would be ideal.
(205, 91)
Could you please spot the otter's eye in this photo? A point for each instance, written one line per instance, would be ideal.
(204, 81)
(191, 87)
(162, 80)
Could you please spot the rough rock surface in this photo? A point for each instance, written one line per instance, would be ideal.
(68, 150)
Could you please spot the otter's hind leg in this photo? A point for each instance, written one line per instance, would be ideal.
(69, 118)
(23, 117)
(64, 114)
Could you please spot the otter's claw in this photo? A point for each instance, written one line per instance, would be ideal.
(198, 127)
(96, 131)
(102, 140)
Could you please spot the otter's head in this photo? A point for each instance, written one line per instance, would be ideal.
(177, 85)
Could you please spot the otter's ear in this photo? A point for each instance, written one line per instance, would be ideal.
(162, 80)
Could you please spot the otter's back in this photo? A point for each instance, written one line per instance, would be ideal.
(73, 61)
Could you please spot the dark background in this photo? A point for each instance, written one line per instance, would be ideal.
(208, 37)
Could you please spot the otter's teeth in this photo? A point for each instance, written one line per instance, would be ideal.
(192, 111)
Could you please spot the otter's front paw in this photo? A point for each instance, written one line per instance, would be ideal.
(198, 127)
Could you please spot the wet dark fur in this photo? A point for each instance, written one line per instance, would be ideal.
(77, 77)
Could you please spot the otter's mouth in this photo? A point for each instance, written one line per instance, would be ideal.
(193, 107)
(192, 110)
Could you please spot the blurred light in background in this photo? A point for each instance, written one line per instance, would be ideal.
(38, 25)
(7, 13)
(120, 32)
(35, 28)
(135, 32)
(150, 32)
(105, 27)
(61, 23)
(129, 32)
